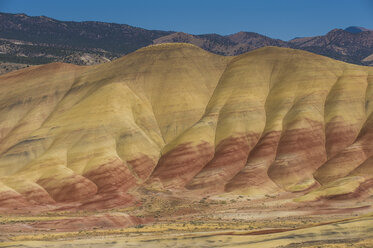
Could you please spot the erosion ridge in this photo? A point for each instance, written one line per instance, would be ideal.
(175, 117)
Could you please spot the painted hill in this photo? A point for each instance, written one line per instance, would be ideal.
(173, 117)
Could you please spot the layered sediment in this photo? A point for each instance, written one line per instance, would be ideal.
(175, 117)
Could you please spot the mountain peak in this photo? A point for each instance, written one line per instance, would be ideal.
(356, 30)
(242, 35)
(167, 46)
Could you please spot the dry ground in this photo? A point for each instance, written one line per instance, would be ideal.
(165, 220)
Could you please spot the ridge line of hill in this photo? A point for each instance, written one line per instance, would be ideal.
(27, 40)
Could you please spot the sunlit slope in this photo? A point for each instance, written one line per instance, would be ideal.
(173, 116)
(105, 133)
(276, 119)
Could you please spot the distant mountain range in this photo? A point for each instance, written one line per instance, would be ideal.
(38, 40)
(28, 40)
(353, 45)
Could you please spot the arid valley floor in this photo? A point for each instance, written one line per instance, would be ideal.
(219, 221)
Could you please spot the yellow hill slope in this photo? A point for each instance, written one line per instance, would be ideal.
(106, 131)
(271, 120)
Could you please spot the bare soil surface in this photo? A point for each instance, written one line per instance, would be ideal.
(164, 219)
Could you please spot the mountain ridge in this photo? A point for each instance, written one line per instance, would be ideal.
(26, 40)
(355, 29)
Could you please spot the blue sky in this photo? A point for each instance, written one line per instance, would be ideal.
(284, 19)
